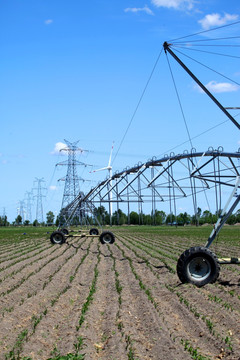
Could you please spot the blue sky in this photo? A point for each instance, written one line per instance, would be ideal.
(76, 70)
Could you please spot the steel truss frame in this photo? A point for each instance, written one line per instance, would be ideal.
(167, 179)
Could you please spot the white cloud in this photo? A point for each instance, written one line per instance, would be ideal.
(212, 20)
(53, 187)
(175, 4)
(136, 10)
(48, 21)
(59, 146)
(215, 87)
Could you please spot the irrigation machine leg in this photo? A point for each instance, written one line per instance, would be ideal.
(200, 266)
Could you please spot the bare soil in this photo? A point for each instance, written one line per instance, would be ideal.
(114, 302)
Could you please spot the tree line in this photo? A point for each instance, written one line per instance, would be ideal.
(159, 217)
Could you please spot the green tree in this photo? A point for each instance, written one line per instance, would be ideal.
(50, 218)
(160, 217)
(18, 220)
(35, 223)
(170, 219)
(134, 218)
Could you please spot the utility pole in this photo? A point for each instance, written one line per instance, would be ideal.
(39, 196)
(72, 187)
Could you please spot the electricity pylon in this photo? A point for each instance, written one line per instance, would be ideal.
(39, 196)
(22, 210)
(29, 200)
(72, 187)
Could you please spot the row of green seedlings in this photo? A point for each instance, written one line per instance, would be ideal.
(17, 271)
(232, 293)
(227, 340)
(15, 353)
(218, 300)
(120, 326)
(151, 253)
(23, 259)
(23, 279)
(169, 243)
(24, 252)
(79, 346)
(193, 351)
(11, 244)
(156, 249)
(20, 248)
(51, 276)
(9, 309)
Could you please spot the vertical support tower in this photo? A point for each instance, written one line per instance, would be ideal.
(72, 187)
(39, 196)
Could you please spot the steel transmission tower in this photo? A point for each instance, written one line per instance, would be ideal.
(39, 196)
(29, 199)
(72, 187)
(22, 210)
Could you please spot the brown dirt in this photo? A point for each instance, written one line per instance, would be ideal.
(137, 310)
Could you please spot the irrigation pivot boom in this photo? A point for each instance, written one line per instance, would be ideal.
(199, 265)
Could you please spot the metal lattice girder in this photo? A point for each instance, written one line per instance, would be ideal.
(166, 179)
(173, 172)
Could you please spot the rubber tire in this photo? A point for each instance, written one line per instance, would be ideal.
(64, 231)
(93, 231)
(198, 259)
(57, 237)
(107, 237)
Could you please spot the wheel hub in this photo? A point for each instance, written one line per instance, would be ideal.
(199, 268)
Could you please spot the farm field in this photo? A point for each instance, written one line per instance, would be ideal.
(86, 300)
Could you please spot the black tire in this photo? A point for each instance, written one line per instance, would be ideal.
(64, 231)
(198, 265)
(93, 231)
(107, 237)
(57, 237)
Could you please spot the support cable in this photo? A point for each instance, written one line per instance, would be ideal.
(206, 31)
(179, 101)
(138, 104)
(206, 40)
(206, 52)
(207, 67)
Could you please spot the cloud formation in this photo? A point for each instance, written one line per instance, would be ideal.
(58, 146)
(48, 21)
(136, 10)
(175, 4)
(212, 20)
(53, 187)
(216, 87)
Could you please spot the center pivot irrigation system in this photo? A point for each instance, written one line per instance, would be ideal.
(170, 179)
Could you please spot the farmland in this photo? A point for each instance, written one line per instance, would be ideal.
(85, 300)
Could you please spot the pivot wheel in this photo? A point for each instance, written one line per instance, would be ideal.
(57, 237)
(198, 265)
(107, 237)
(93, 231)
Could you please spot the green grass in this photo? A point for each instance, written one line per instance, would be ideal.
(228, 234)
(15, 233)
